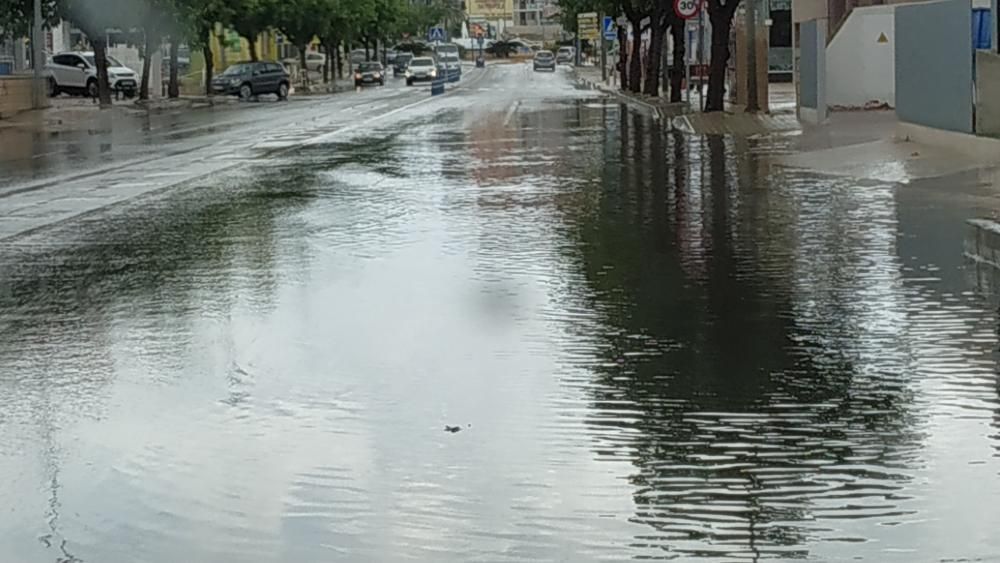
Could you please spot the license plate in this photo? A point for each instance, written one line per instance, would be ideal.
(368, 79)
(127, 83)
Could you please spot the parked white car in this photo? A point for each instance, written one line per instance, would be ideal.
(75, 72)
(315, 61)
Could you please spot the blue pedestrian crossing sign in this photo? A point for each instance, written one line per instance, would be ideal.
(608, 29)
(436, 34)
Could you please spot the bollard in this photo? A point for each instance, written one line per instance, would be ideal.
(437, 86)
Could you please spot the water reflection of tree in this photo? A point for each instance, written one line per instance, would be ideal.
(734, 417)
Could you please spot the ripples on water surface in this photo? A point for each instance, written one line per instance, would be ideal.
(656, 346)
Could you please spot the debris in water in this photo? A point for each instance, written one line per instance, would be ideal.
(452, 429)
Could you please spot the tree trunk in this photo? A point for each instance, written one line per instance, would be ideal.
(327, 62)
(652, 84)
(680, 60)
(221, 38)
(206, 52)
(722, 22)
(622, 58)
(340, 61)
(100, 44)
(173, 86)
(304, 78)
(147, 58)
(635, 59)
(253, 48)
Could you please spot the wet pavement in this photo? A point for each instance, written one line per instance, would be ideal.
(653, 345)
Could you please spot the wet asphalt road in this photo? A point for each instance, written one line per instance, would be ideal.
(655, 346)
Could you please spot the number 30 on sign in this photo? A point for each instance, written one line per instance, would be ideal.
(687, 9)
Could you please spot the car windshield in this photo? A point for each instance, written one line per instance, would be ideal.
(543, 55)
(403, 58)
(366, 67)
(111, 61)
(422, 62)
(237, 69)
(450, 58)
(565, 50)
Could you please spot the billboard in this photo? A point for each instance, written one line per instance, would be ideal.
(492, 9)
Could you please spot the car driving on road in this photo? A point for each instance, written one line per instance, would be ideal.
(421, 69)
(565, 55)
(401, 63)
(75, 72)
(368, 74)
(544, 60)
(452, 65)
(247, 80)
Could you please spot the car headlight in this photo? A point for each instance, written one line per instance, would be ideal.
(434, 73)
(234, 82)
(409, 74)
(357, 76)
(112, 76)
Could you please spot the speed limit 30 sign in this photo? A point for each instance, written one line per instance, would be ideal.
(687, 9)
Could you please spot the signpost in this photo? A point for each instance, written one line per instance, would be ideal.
(587, 26)
(608, 28)
(437, 35)
(687, 9)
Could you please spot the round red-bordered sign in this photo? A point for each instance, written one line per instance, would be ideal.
(687, 9)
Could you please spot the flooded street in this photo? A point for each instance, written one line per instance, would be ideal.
(653, 345)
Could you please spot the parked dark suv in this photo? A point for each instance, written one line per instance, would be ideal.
(247, 80)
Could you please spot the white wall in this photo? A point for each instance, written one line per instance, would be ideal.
(859, 69)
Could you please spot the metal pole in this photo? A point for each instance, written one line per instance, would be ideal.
(37, 57)
(753, 105)
(701, 63)
(687, 63)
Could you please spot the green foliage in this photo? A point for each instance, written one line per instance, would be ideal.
(95, 17)
(16, 16)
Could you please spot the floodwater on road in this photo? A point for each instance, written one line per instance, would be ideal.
(653, 345)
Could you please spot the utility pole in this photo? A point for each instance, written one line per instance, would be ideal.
(37, 57)
(753, 104)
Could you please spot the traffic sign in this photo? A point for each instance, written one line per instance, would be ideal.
(437, 34)
(687, 9)
(608, 29)
(587, 25)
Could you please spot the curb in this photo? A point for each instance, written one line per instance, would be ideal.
(655, 111)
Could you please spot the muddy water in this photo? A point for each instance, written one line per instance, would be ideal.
(653, 345)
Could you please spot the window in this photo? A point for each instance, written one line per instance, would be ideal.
(66, 60)
(272, 67)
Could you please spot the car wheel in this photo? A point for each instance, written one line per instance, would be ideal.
(283, 91)
(53, 88)
(381, 82)
(92, 90)
(409, 83)
(246, 91)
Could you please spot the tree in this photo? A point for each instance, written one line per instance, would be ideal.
(721, 15)
(198, 19)
(16, 16)
(680, 54)
(158, 18)
(635, 11)
(250, 18)
(94, 18)
(301, 21)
